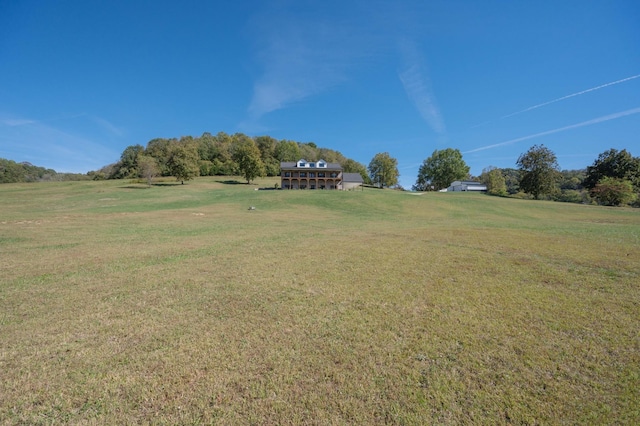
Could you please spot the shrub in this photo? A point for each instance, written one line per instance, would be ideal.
(613, 192)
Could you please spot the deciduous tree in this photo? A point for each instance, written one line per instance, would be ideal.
(539, 171)
(611, 191)
(287, 151)
(439, 170)
(148, 167)
(613, 164)
(383, 170)
(159, 149)
(183, 161)
(352, 166)
(494, 180)
(247, 155)
(267, 146)
(127, 167)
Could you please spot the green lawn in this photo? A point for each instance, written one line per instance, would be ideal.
(176, 304)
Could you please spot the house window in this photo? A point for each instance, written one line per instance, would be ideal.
(321, 174)
(312, 175)
(301, 164)
(333, 175)
(303, 174)
(287, 174)
(312, 164)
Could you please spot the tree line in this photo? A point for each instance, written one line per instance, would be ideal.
(218, 155)
(12, 172)
(613, 179)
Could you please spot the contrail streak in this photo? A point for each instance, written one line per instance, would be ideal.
(561, 129)
(571, 96)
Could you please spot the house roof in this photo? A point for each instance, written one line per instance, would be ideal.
(352, 177)
(466, 182)
(294, 165)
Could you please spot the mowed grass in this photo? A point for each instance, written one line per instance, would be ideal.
(178, 305)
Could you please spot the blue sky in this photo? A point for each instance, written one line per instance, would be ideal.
(82, 80)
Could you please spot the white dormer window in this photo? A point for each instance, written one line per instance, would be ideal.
(313, 165)
(302, 163)
(322, 164)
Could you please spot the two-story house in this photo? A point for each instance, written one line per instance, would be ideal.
(310, 175)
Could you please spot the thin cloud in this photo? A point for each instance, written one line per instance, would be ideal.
(49, 146)
(14, 122)
(107, 125)
(562, 129)
(410, 166)
(582, 92)
(101, 122)
(301, 58)
(417, 85)
(602, 86)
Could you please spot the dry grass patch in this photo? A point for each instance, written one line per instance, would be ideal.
(181, 306)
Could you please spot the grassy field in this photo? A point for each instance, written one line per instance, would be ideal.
(175, 304)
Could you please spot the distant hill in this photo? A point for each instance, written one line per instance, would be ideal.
(13, 172)
(215, 155)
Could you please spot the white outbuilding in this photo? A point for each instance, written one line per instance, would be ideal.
(466, 185)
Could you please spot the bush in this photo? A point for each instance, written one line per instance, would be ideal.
(573, 196)
(613, 192)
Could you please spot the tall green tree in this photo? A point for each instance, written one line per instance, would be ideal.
(309, 151)
(494, 180)
(512, 179)
(287, 151)
(613, 164)
(159, 149)
(539, 171)
(183, 160)
(10, 171)
(352, 166)
(206, 147)
(332, 156)
(223, 163)
(247, 155)
(383, 170)
(572, 179)
(127, 167)
(148, 167)
(267, 146)
(438, 171)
